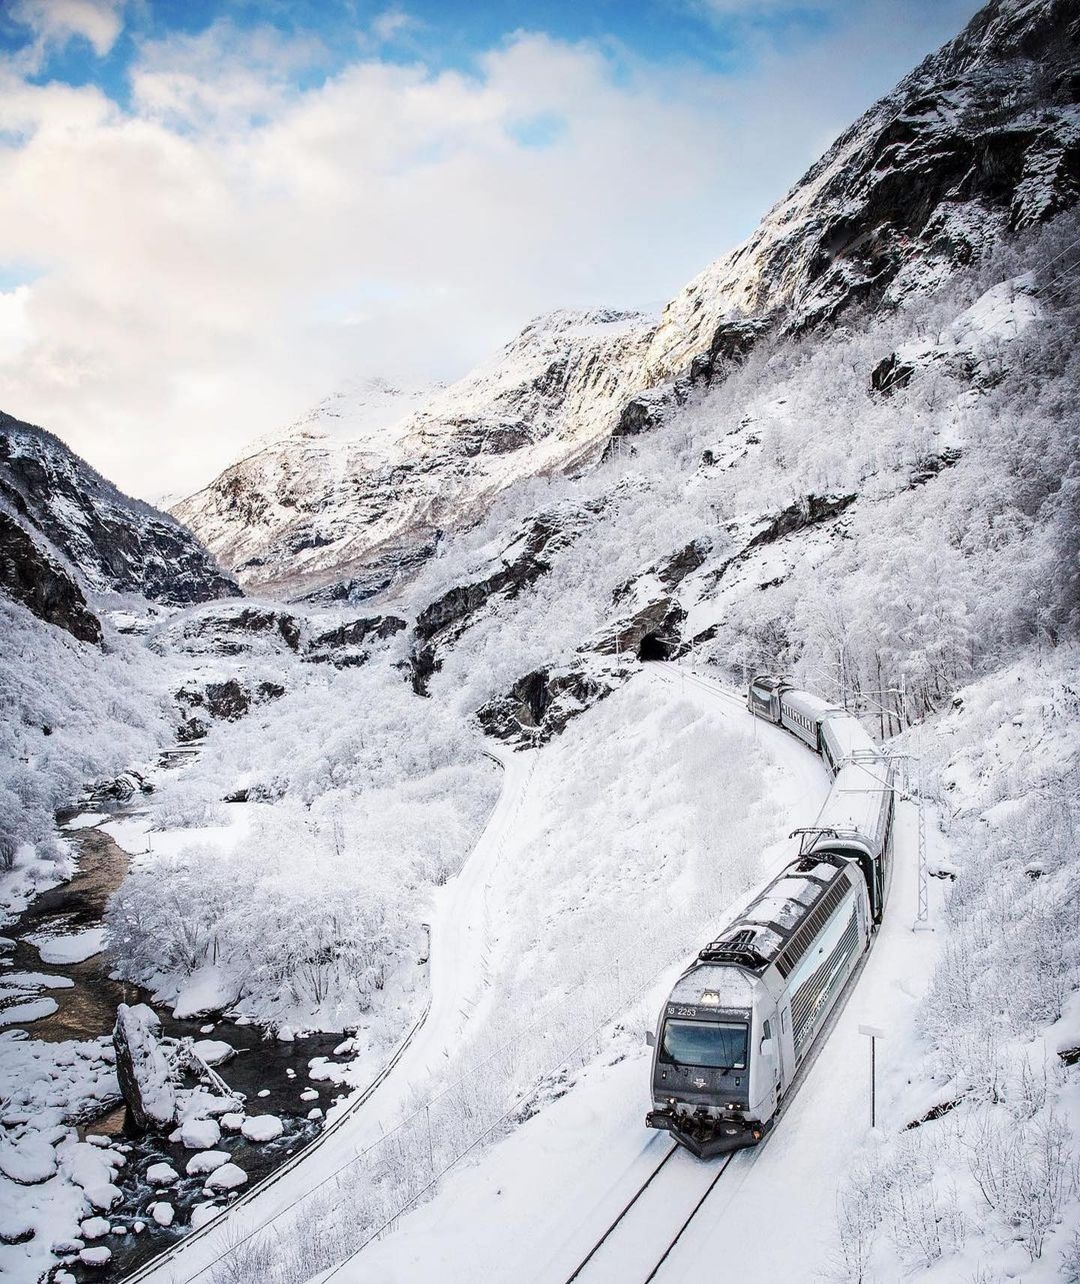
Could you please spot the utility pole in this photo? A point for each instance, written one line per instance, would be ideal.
(874, 1033)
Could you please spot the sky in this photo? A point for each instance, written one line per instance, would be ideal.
(214, 213)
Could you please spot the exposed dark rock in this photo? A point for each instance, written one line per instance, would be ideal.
(523, 562)
(930, 465)
(731, 344)
(540, 704)
(811, 511)
(30, 576)
(233, 632)
(651, 633)
(890, 374)
(227, 700)
(238, 796)
(120, 788)
(116, 543)
(143, 1069)
(191, 729)
(338, 646)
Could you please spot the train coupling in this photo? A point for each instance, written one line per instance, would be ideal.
(704, 1135)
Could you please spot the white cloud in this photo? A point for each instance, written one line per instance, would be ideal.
(230, 249)
(54, 22)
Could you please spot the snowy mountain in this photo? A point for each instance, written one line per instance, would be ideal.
(888, 509)
(979, 142)
(359, 490)
(85, 529)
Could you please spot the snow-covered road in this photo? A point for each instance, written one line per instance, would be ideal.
(459, 944)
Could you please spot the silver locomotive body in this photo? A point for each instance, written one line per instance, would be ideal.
(745, 1014)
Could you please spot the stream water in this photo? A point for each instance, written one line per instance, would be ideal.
(270, 1074)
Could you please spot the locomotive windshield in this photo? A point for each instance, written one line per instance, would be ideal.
(704, 1043)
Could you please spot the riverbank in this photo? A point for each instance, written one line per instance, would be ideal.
(71, 1182)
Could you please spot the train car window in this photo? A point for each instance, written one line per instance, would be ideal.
(708, 1044)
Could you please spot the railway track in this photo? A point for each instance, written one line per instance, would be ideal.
(668, 1205)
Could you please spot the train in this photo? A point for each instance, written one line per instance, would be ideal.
(742, 1019)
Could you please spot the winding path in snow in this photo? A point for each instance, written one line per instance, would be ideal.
(456, 970)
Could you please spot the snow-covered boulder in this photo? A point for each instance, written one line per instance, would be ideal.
(142, 1067)
(28, 1161)
(227, 1177)
(93, 1169)
(200, 1134)
(162, 1212)
(206, 1161)
(162, 1175)
(94, 1227)
(98, 1256)
(203, 1213)
(262, 1128)
(213, 1052)
(233, 1121)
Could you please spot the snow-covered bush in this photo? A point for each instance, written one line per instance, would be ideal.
(307, 911)
(69, 714)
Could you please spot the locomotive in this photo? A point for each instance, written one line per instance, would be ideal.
(746, 1013)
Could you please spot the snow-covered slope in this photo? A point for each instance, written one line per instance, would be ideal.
(360, 489)
(109, 542)
(980, 141)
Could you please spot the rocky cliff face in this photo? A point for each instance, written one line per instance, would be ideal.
(69, 514)
(980, 141)
(360, 491)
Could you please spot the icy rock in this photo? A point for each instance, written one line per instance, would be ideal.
(95, 1256)
(64, 1277)
(309, 1094)
(207, 1029)
(138, 1227)
(162, 1213)
(233, 1121)
(262, 1128)
(342, 1048)
(314, 1113)
(99, 1139)
(200, 1134)
(213, 1051)
(28, 1162)
(162, 1175)
(93, 1170)
(67, 1247)
(119, 1230)
(320, 1069)
(94, 1227)
(227, 1177)
(142, 1067)
(202, 1213)
(206, 1161)
(263, 1092)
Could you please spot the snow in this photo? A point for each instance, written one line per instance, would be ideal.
(203, 1213)
(162, 1174)
(28, 1164)
(262, 1128)
(213, 1051)
(206, 1161)
(226, 1177)
(162, 1212)
(94, 1227)
(207, 990)
(100, 1256)
(75, 948)
(25, 1013)
(199, 1134)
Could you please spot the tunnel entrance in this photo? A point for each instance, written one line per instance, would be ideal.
(655, 646)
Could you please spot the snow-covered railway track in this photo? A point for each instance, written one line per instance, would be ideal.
(660, 1209)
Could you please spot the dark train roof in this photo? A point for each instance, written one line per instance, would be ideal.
(779, 925)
